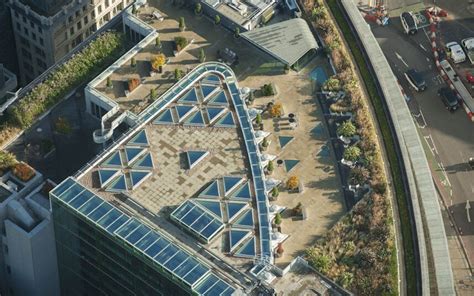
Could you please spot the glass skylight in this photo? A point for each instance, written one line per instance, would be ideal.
(212, 205)
(226, 121)
(284, 140)
(242, 193)
(184, 111)
(132, 153)
(219, 99)
(236, 236)
(214, 113)
(290, 164)
(105, 175)
(137, 177)
(194, 157)
(234, 208)
(207, 90)
(145, 162)
(195, 119)
(247, 250)
(139, 139)
(165, 118)
(115, 160)
(189, 98)
(212, 191)
(245, 220)
(118, 185)
(230, 183)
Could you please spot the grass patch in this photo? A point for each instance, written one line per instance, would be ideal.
(389, 144)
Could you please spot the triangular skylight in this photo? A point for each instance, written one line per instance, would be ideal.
(139, 139)
(247, 250)
(132, 153)
(243, 193)
(207, 90)
(194, 157)
(245, 220)
(212, 191)
(214, 112)
(236, 236)
(165, 118)
(226, 121)
(145, 162)
(284, 140)
(105, 175)
(137, 177)
(183, 111)
(195, 119)
(118, 185)
(214, 206)
(290, 163)
(219, 99)
(114, 160)
(230, 183)
(234, 208)
(189, 98)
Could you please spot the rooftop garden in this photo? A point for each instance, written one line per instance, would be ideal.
(82, 67)
(359, 251)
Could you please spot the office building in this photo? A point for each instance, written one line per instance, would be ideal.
(46, 30)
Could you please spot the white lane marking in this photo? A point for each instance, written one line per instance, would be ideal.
(401, 59)
(422, 47)
(468, 208)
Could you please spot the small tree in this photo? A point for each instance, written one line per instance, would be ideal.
(153, 94)
(321, 263)
(182, 24)
(267, 90)
(133, 62)
(198, 8)
(217, 19)
(345, 279)
(202, 56)
(292, 183)
(158, 42)
(134, 9)
(359, 175)
(63, 126)
(277, 219)
(276, 110)
(352, 153)
(158, 61)
(318, 12)
(332, 84)
(270, 166)
(346, 129)
(177, 74)
(109, 82)
(237, 32)
(275, 192)
(7, 160)
(258, 119)
(181, 42)
(265, 143)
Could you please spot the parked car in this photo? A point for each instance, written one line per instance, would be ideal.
(468, 45)
(449, 98)
(409, 23)
(455, 51)
(415, 79)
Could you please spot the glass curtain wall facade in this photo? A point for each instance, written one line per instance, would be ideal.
(92, 262)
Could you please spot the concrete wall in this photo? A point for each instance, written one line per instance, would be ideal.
(426, 208)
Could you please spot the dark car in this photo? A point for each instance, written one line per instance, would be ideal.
(415, 79)
(449, 98)
(409, 23)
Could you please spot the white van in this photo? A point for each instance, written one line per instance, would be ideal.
(455, 52)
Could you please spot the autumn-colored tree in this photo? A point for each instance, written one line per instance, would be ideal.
(158, 61)
(292, 183)
(276, 110)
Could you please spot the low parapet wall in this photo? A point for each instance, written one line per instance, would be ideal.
(421, 188)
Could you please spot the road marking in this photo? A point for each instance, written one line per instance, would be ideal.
(401, 59)
(468, 207)
(422, 47)
(426, 34)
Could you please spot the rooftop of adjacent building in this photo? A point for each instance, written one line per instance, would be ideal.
(46, 7)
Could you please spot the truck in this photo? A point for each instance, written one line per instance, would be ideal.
(455, 52)
(468, 45)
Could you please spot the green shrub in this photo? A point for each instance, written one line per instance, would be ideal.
(278, 219)
(267, 90)
(181, 42)
(157, 42)
(332, 84)
(275, 192)
(258, 119)
(237, 32)
(346, 129)
(202, 56)
(178, 74)
(153, 94)
(133, 62)
(7, 160)
(270, 166)
(321, 263)
(352, 153)
(182, 24)
(217, 19)
(198, 8)
(80, 68)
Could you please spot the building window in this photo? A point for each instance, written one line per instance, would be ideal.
(86, 20)
(32, 24)
(79, 25)
(99, 9)
(18, 26)
(24, 19)
(16, 13)
(107, 3)
(40, 30)
(26, 53)
(84, 8)
(39, 51)
(41, 41)
(6, 249)
(25, 42)
(70, 19)
(25, 30)
(9, 270)
(41, 63)
(33, 35)
(93, 14)
(77, 14)
(72, 30)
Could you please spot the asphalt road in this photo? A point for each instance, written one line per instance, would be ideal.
(449, 137)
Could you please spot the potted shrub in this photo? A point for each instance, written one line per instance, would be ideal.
(134, 10)
(157, 62)
(275, 192)
(258, 119)
(23, 171)
(279, 250)
(152, 94)
(298, 210)
(237, 32)
(198, 9)
(133, 83)
(332, 84)
(264, 143)
(133, 62)
(202, 56)
(352, 153)
(158, 42)
(267, 90)
(181, 24)
(292, 183)
(109, 83)
(270, 167)
(251, 97)
(180, 43)
(277, 220)
(346, 129)
(217, 20)
(178, 74)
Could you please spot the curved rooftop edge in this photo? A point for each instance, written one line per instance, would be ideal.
(420, 180)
